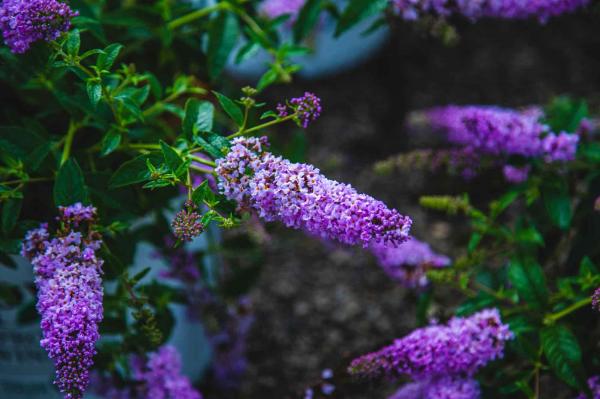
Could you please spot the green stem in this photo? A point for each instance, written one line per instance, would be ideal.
(201, 13)
(203, 161)
(553, 317)
(143, 146)
(202, 170)
(242, 132)
(68, 142)
(25, 181)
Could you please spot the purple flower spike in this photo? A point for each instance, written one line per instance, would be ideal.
(300, 197)
(462, 346)
(161, 376)
(69, 284)
(307, 109)
(409, 262)
(474, 10)
(277, 8)
(440, 388)
(26, 21)
(514, 174)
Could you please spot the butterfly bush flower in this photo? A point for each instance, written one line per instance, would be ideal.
(69, 286)
(441, 388)
(277, 8)
(462, 347)
(477, 9)
(514, 174)
(503, 132)
(409, 262)
(308, 109)
(26, 21)
(161, 376)
(187, 223)
(300, 197)
(594, 385)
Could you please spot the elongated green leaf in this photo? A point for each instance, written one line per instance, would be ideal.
(528, 278)
(10, 214)
(231, 108)
(564, 354)
(198, 117)
(73, 42)
(94, 90)
(108, 57)
(172, 158)
(558, 204)
(223, 35)
(307, 19)
(357, 11)
(135, 170)
(110, 142)
(69, 186)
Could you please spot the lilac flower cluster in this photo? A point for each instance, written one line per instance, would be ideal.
(503, 132)
(514, 174)
(459, 348)
(277, 8)
(477, 9)
(300, 197)
(596, 299)
(187, 223)
(161, 376)
(26, 21)
(594, 385)
(307, 109)
(156, 377)
(440, 388)
(69, 284)
(409, 262)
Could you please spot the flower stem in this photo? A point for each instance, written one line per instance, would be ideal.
(201, 13)
(203, 161)
(25, 181)
(553, 317)
(68, 142)
(242, 132)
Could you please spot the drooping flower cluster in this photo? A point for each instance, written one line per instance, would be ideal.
(408, 263)
(501, 133)
(515, 174)
(277, 8)
(300, 197)
(26, 21)
(307, 108)
(459, 349)
(157, 376)
(187, 223)
(596, 299)
(69, 285)
(440, 388)
(477, 9)
(594, 385)
(161, 376)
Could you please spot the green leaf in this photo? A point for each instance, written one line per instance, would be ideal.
(172, 158)
(69, 186)
(558, 204)
(94, 91)
(135, 170)
(203, 193)
(566, 114)
(107, 59)
(19, 142)
(307, 19)
(215, 145)
(223, 34)
(357, 11)
(198, 117)
(528, 278)
(73, 43)
(110, 142)
(231, 108)
(267, 79)
(564, 354)
(10, 214)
